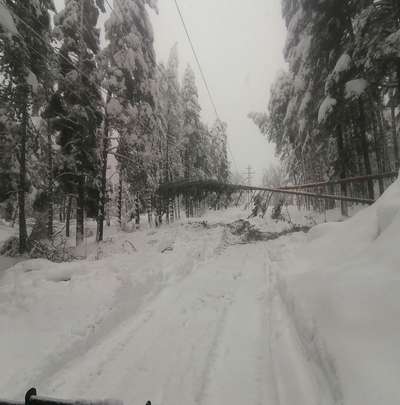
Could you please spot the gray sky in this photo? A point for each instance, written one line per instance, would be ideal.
(239, 44)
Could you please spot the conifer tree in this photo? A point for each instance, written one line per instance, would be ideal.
(128, 66)
(77, 103)
(327, 114)
(24, 49)
(191, 125)
(217, 152)
(172, 106)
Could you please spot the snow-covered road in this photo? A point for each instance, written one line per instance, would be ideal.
(207, 339)
(192, 313)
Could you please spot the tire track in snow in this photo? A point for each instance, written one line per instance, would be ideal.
(210, 359)
(132, 301)
(165, 351)
(241, 370)
(203, 340)
(298, 379)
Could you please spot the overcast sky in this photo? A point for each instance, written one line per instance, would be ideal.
(239, 44)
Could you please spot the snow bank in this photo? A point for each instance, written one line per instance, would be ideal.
(344, 298)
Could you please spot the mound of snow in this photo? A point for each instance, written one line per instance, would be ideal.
(346, 302)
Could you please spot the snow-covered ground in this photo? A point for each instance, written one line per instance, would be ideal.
(342, 290)
(189, 314)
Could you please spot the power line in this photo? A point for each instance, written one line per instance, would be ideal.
(198, 64)
(202, 73)
(196, 58)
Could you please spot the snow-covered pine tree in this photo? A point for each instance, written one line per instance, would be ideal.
(271, 124)
(376, 55)
(128, 66)
(172, 106)
(77, 103)
(24, 50)
(320, 134)
(355, 87)
(191, 125)
(218, 155)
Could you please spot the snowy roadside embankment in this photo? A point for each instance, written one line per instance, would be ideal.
(52, 313)
(342, 290)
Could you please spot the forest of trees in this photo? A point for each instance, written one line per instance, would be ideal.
(335, 112)
(70, 101)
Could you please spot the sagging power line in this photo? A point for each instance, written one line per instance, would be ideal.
(185, 27)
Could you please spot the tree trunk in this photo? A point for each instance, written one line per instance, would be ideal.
(365, 149)
(68, 217)
(50, 210)
(120, 198)
(166, 208)
(343, 167)
(103, 187)
(23, 234)
(386, 164)
(159, 210)
(61, 212)
(378, 153)
(171, 208)
(187, 210)
(149, 209)
(394, 138)
(137, 209)
(80, 211)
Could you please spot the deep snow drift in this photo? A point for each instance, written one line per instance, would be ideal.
(191, 313)
(342, 289)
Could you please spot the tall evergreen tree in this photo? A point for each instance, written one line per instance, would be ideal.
(24, 49)
(217, 153)
(77, 103)
(192, 141)
(172, 111)
(327, 114)
(128, 65)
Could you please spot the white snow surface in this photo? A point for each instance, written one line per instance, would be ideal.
(355, 88)
(342, 65)
(7, 24)
(326, 108)
(345, 302)
(186, 314)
